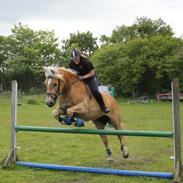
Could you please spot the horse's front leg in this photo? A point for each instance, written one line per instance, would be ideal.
(80, 108)
(58, 113)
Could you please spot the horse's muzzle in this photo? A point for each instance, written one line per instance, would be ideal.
(50, 101)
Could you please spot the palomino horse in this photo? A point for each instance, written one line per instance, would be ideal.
(75, 98)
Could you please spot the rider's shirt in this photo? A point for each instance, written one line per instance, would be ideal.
(84, 67)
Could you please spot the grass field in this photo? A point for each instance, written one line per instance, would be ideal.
(149, 154)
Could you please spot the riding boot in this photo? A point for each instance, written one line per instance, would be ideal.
(100, 101)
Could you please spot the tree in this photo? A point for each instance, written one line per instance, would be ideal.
(107, 61)
(2, 61)
(146, 59)
(29, 51)
(4, 56)
(84, 41)
(143, 27)
(142, 66)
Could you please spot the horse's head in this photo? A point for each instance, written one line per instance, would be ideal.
(54, 83)
(57, 82)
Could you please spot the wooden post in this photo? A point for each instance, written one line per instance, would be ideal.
(176, 129)
(12, 156)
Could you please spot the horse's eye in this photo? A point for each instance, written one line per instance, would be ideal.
(55, 84)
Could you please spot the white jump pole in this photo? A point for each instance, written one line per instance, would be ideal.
(14, 88)
(176, 129)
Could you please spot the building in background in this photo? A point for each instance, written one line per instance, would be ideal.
(107, 89)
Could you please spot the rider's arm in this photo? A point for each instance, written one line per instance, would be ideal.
(89, 75)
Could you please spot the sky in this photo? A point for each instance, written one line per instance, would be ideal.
(97, 16)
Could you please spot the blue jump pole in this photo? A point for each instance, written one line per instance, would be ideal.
(166, 175)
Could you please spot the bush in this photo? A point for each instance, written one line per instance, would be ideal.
(32, 101)
(35, 91)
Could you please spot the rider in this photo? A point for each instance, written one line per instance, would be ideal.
(86, 72)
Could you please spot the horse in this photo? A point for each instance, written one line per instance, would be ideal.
(75, 99)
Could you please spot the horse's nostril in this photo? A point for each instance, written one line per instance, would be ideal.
(50, 103)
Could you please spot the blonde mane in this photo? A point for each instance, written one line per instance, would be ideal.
(55, 71)
(50, 71)
(69, 70)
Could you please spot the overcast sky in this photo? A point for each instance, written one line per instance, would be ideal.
(98, 16)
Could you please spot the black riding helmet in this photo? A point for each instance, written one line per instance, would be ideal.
(75, 53)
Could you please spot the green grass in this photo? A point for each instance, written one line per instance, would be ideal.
(149, 154)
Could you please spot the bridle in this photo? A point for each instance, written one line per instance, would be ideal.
(58, 93)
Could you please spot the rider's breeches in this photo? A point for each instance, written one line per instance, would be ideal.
(93, 85)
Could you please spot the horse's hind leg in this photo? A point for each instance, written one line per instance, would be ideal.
(100, 125)
(116, 122)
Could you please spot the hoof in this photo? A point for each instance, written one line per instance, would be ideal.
(125, 152)
(110, 159)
